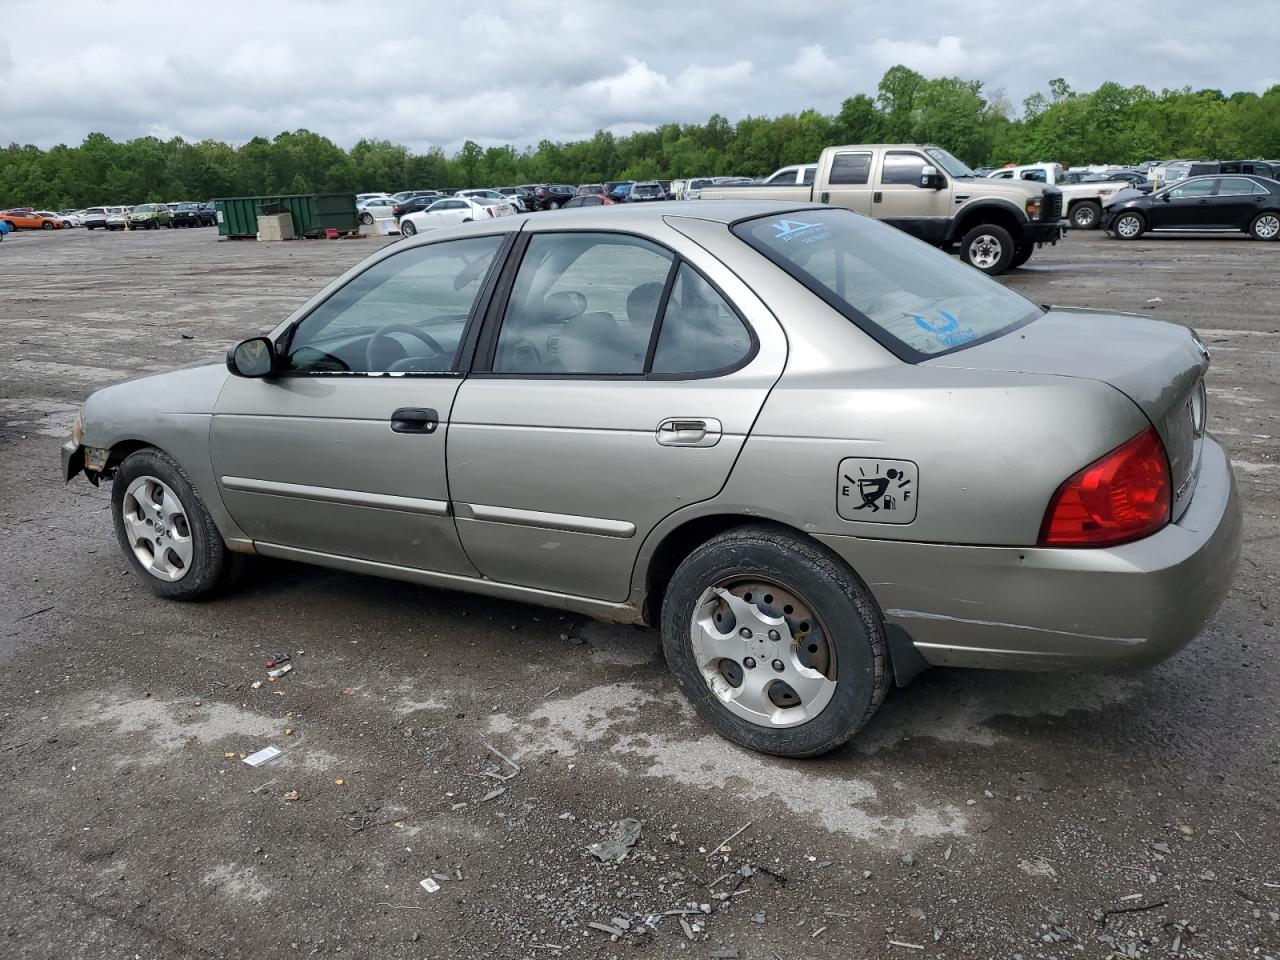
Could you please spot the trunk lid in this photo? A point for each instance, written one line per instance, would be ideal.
(1159, 366)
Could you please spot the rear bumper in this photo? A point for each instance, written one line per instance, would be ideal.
(1046, 609)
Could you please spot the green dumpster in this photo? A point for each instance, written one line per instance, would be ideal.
(313, 213)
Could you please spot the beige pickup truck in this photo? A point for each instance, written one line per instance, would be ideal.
(919, 188)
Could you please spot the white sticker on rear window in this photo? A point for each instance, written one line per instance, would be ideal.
(877, 491)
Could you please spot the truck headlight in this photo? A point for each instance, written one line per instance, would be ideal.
(1033, 207)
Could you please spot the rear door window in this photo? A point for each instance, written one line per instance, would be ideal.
(849, 168)
(701, 333)
(913, 300)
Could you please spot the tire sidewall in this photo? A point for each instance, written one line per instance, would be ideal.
(1094, 220)
(1003, 237)
(836, 597)
(209, 553)
(1142, 226)
(1253, 227)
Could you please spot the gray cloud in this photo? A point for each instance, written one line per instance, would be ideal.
(518, 71)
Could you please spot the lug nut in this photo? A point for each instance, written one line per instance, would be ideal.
(745, 633)
(774, 635)
(749, 662)
(777, 665)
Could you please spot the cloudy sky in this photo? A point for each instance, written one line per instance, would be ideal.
(518, 71)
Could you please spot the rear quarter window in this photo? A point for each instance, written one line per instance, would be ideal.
(916, 301)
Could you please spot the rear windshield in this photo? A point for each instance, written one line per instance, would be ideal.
(915, 300)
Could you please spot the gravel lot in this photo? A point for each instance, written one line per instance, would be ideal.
(980, 815)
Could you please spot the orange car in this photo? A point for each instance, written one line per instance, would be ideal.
(26, 220)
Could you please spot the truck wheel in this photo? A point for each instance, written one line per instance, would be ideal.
(1129, 226)
(1021, 255)
(775, 642)
(988, 247)
(1086, 215)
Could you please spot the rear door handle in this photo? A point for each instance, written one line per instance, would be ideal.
(415, 420)
(825, 198)
(689, 432)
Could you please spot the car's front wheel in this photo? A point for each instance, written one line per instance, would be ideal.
(988, 247)
(407, 229)
(1129, 226)
(1265, 226)
(165, 530)
(775, 642)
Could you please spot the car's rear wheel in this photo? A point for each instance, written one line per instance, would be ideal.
(407, 228)
(1086, 215)
(553, 205)
(165, 530)
(47, 225)
(1129, 226)
(988, 247)
(366, 218)
(1265, 226)
(775, 642)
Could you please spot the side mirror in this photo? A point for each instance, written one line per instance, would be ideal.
(255, 357)
(931, 179)
(1165, 197)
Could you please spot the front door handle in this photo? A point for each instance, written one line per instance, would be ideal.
(876, 196)
(415, 420)
(689, 432)
(825, 198)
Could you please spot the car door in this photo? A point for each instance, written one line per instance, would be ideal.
(342, 452)
(848, 181)
(900, 200)
(1238, 201)
(1186, 206)
(616, 382)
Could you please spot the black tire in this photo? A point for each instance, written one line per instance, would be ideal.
(1265, 226)
(47, 225)
(407, 229)
(553, 205)
(213, 566)
(1128, 225)
(1086, 215)
(1021, 255)
(853, 626)
(88, 226)
(989, 248)
(366, 218)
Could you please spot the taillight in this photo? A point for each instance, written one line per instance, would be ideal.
(396, 209)
(1120, 497)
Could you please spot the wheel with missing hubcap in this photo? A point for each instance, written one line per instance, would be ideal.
(165, 530)
(775, 641)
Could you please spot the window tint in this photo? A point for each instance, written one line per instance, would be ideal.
(782, 177)
(582, 303)
(1194, 188)
(902, 168)
(809, 174)
(916, 301)
(425, 292)
(1239, 187)
(850, 168)
(700, 332)
(1037, 175)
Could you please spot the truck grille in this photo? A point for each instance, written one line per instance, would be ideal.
(1051, 208)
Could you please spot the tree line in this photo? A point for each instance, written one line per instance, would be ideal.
(1112, 124)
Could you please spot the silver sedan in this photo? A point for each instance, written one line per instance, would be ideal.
(817, 453)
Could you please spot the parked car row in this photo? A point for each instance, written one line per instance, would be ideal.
(143, 216)
(1239, 202)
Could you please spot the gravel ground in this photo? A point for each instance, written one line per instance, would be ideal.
(981, 814)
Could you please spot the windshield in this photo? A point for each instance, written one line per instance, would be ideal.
(914, 300)
(957, 168)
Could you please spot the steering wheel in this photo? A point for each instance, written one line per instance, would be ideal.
(384, 333)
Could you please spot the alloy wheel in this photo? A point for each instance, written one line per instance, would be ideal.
(1128, 227)
(1268, 226)
(157, 527)
(763, 653)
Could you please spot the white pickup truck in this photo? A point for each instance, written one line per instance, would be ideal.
(920, 188)
(1082, 203)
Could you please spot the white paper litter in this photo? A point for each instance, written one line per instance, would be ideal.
(262, 756)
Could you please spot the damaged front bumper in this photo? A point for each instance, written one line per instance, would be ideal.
(77, 458)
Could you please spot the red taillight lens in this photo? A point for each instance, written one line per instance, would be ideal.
(396, 209)
(1117, 498)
